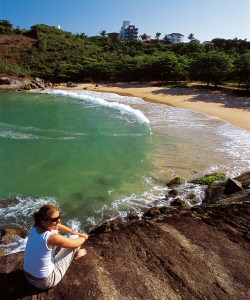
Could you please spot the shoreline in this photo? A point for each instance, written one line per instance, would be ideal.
(235, 110)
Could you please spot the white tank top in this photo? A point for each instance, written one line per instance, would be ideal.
(38, 257)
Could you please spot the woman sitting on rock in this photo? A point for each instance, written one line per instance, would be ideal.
(42, 267)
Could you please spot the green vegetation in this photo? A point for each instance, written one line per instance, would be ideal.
(212, 67)
(210, 179)
(57, 55)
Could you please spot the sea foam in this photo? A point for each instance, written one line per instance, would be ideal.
(123, 108)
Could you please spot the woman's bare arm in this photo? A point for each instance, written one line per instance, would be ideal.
(57, 240)
(66, 229)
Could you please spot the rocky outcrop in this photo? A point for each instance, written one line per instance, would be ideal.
(10, 235)
(17, 84)
(202, 253)
(5, 80)
(175, 181)
(197, 253)
(71, 84)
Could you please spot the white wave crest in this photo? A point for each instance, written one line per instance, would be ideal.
(23, 208)
(123, 108)
(17, 246)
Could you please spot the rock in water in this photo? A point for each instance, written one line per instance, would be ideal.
(232, 186)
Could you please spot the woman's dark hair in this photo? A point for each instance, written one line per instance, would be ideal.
(44, 213)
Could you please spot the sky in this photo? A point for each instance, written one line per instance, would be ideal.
(206, 19)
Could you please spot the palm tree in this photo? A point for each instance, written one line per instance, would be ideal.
(191, 37)
(103, 33)
(144, 37)
(157, 36)
(167, 39)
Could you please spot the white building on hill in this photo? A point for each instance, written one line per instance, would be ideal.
(175, 38)
(128, 32)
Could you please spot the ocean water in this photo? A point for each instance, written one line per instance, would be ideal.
(99, 155)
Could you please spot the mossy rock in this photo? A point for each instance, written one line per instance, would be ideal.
(175, 181)
(165, 210)
(213, 192)
(209, 179)
(180, 204)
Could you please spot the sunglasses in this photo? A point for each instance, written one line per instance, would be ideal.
(55, 219)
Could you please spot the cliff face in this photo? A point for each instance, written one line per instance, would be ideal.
(201, 253)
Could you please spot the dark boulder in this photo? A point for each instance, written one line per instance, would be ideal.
(212, 194)
(133, 215)
(153, 212)
(5, 80)
(173, 193)
(180, 204)
(71, 84)
(244, 179)
(232, 186)
(175, 181)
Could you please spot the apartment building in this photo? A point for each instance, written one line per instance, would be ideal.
(128, 32)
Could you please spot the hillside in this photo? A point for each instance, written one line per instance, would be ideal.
(59, 56)
(11, 51)
(11, 43)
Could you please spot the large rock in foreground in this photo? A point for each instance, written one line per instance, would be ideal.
(202, 253)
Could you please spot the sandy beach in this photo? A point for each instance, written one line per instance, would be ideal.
(235, 110)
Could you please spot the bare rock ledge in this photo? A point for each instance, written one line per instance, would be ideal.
(201, 253)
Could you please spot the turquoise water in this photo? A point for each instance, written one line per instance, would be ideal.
(80, 154)
(98, 155)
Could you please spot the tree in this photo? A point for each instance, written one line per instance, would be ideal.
(166, 66)
(157, 36)
(167, 39)
(189, 49)
(211, 67)
(191, 37)
(242, 69)
(103, 33)
(81, 35)
(6, 24)
(219, 44)
(5, 27)
(231, 46)
(144, 37)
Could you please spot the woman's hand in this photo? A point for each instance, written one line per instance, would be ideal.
(80, 234)
(67, 230)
